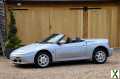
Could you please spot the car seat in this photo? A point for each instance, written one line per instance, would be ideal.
(68, 40)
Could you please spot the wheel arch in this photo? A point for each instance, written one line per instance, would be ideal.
(44, 50)
(101, 47)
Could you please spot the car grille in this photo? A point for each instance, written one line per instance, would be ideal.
(17, 59)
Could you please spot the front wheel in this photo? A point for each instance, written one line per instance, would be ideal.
(99, 56)
(42, 60)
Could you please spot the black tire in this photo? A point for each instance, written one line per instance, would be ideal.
(37, 64)
(95, 53)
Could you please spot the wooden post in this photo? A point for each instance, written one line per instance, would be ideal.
(85, 22)
(118, 30)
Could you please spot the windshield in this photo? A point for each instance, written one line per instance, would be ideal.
(54, 38)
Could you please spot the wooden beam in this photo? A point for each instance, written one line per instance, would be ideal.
(84, 8)
(118, 25)
(60, 0)
(85, 24)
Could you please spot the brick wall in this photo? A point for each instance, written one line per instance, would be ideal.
(2, 23)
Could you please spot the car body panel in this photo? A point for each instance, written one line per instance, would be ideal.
(31, 50)
(76, 50)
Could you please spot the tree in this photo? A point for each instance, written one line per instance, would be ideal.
(12, 40)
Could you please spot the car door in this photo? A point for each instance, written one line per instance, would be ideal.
(71, 51)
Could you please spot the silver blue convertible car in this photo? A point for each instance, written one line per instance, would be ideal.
(57, 47)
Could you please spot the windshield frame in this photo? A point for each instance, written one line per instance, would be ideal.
(52, 38)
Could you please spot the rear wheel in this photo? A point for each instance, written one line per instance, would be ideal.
(99, 56)
(43, 59)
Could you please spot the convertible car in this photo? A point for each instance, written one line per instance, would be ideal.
(57, 47)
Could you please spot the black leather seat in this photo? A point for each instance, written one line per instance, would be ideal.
(68, 40)
(77, 39)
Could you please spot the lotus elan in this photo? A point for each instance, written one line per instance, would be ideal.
(57, 47)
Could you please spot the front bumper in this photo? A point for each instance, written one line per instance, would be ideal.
(22, 59)
(110, 52)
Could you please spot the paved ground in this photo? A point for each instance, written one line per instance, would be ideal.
(66, 70)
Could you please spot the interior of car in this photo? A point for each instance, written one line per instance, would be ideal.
(71, 40)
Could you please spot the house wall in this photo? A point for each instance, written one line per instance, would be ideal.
(35, 22)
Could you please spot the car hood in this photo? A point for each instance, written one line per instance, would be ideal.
(31, 48)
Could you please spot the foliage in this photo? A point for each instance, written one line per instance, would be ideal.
(12, 40)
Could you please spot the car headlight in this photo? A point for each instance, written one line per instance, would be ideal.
(16, 54)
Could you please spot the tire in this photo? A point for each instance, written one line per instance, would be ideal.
(99, 56)
(42, 60)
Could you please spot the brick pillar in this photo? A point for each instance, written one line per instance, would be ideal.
(2, 19)
(2, 26)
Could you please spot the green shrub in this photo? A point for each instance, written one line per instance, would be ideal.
(12, 40)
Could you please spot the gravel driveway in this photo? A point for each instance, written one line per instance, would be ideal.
(64, 70)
